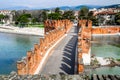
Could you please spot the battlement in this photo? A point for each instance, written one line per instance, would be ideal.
(84, 38)
(29, 64)
(106, 30)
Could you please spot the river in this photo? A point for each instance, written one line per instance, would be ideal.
(106, 46)
(12, 48)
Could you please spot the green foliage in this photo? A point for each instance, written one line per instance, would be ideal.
(23, 19)
(94, 62)
(44, 15)
(57, 10)
(1, 16)
(15, 15)
(54, 16)
(83, 13)
(34, 20)
(118, 59)
(68, 15)
(92, 18)
(6, 16)
(117, 18)
(36, 25)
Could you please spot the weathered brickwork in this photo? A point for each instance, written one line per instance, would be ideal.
(84, 37)
(56, 24)
(54, 30)
(106, 30)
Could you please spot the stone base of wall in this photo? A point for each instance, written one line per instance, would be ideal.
(15, 76)
(87, 58)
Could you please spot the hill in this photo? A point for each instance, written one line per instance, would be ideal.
(63, 7)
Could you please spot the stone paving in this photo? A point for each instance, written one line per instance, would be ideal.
(62, 59)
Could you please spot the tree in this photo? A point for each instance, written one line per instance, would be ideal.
(117, 18)
(44, 15)
(23, 19)
(92, 18)
(34, 20)
(68, 15)
(1, 17)
(83, 13)
(15, 15)
(54, 16)
(57, 10)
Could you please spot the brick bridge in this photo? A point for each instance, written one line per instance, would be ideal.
(65, 48)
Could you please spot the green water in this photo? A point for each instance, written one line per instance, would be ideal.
(106, 70)
(12, 48)
(106, 50)
(106, 46)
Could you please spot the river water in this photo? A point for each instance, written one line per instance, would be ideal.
(106, 46)
(12, 48)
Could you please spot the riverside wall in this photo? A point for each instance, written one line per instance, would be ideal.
(84, 38)
(106, 30)
(54, 30)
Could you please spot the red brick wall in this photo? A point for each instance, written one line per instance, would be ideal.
(55, 30)
(84, 37)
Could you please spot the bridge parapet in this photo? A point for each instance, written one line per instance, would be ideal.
(84, 37)
(57, 24)
(106, 30)
(54, 31)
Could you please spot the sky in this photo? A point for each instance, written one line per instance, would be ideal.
(53, 3)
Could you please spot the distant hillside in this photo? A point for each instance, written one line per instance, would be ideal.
(111, 6)
(63, 7)
(78, 7)
(89, 6)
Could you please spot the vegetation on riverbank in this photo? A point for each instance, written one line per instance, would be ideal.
(117, 45)
(95, 63)
(31, 19)
(31, 25)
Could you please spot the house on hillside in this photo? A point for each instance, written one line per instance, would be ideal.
(106, 16)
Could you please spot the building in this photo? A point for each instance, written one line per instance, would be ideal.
(106, 16)
(9, 17)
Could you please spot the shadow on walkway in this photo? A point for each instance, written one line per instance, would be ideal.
(68, 60)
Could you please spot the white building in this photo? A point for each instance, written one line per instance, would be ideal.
(8, 13)
(106, 16)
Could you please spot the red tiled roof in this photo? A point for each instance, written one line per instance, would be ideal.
(105, 12)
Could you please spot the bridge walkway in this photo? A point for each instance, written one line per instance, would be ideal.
(62, 58)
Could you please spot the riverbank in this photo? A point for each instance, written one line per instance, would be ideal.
(104, 61)
(23, 31)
